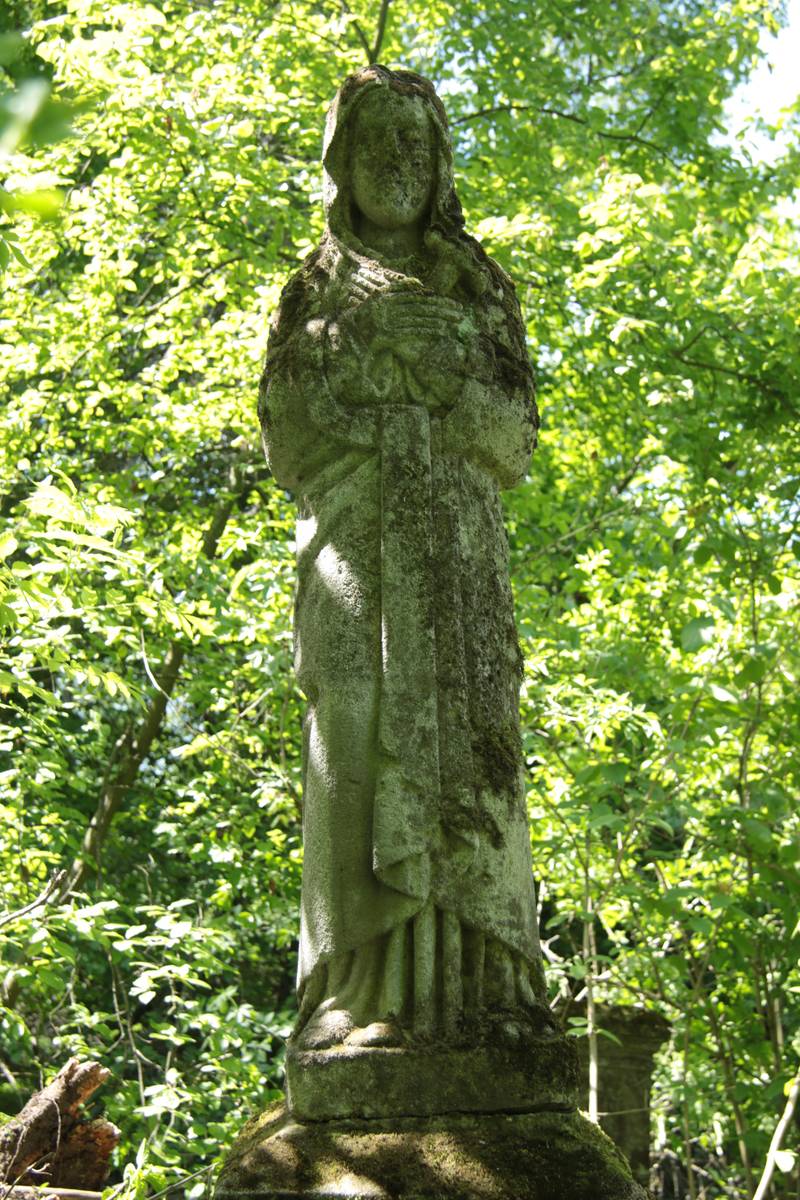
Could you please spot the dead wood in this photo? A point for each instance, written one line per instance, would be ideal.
(49, 1193)
(51, 1141)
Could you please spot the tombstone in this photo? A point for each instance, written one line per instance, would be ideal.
(625, 1075)
(397, 401)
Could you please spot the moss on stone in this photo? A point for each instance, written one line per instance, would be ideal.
(530, 1156)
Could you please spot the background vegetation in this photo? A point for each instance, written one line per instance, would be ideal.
(161, 182)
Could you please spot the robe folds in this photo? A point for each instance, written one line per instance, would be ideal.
(396, 402)
(405, 642)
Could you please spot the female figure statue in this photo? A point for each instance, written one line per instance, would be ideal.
(397, 400)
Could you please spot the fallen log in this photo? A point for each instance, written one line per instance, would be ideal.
(51, 1141)
(49, 1193)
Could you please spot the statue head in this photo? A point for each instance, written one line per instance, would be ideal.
(387, 156)
(392, 159)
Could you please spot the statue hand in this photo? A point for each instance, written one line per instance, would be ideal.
(426, 339)
(412, 319)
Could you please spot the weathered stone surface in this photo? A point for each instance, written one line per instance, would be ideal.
(625, 1077)
(526, 1156)
(397, 401)
(351, 1081)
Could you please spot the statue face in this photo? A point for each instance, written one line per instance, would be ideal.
(393, 159)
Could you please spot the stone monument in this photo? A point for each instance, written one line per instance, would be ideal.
(397, 400)
(626, 1063)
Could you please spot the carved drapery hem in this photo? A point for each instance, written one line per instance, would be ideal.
(431, 974)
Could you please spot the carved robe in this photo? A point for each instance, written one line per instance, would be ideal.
(406, 647)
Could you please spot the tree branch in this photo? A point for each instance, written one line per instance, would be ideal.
(777, 1138)
(136, 744)
(380, 31)
(51, 1193)
(742, 376)
(53, 884)
(565, 116)
(362, 37)
(198, 279)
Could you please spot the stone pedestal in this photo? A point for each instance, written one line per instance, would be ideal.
(493, 1121)
(490, 1121)
(519, 1156)
(428, 1080)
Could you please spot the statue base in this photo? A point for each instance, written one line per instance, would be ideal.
(418, 1080)
(499, 1156)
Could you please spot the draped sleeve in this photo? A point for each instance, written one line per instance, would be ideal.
(304, 426)
(495, 422)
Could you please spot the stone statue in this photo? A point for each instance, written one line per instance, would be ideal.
(397, 400)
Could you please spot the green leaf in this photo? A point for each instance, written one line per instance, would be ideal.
(722, 694)
(753, 671)
(697, 633)
(758, 834)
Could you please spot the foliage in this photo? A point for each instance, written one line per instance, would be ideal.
(654, 547)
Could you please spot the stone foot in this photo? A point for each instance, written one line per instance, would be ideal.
(379, 1033)
(325, 1029)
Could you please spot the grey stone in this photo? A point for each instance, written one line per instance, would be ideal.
(396, 403)
(527, 1156)
(625, 1076)
(324, 1085)
(397, 400)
